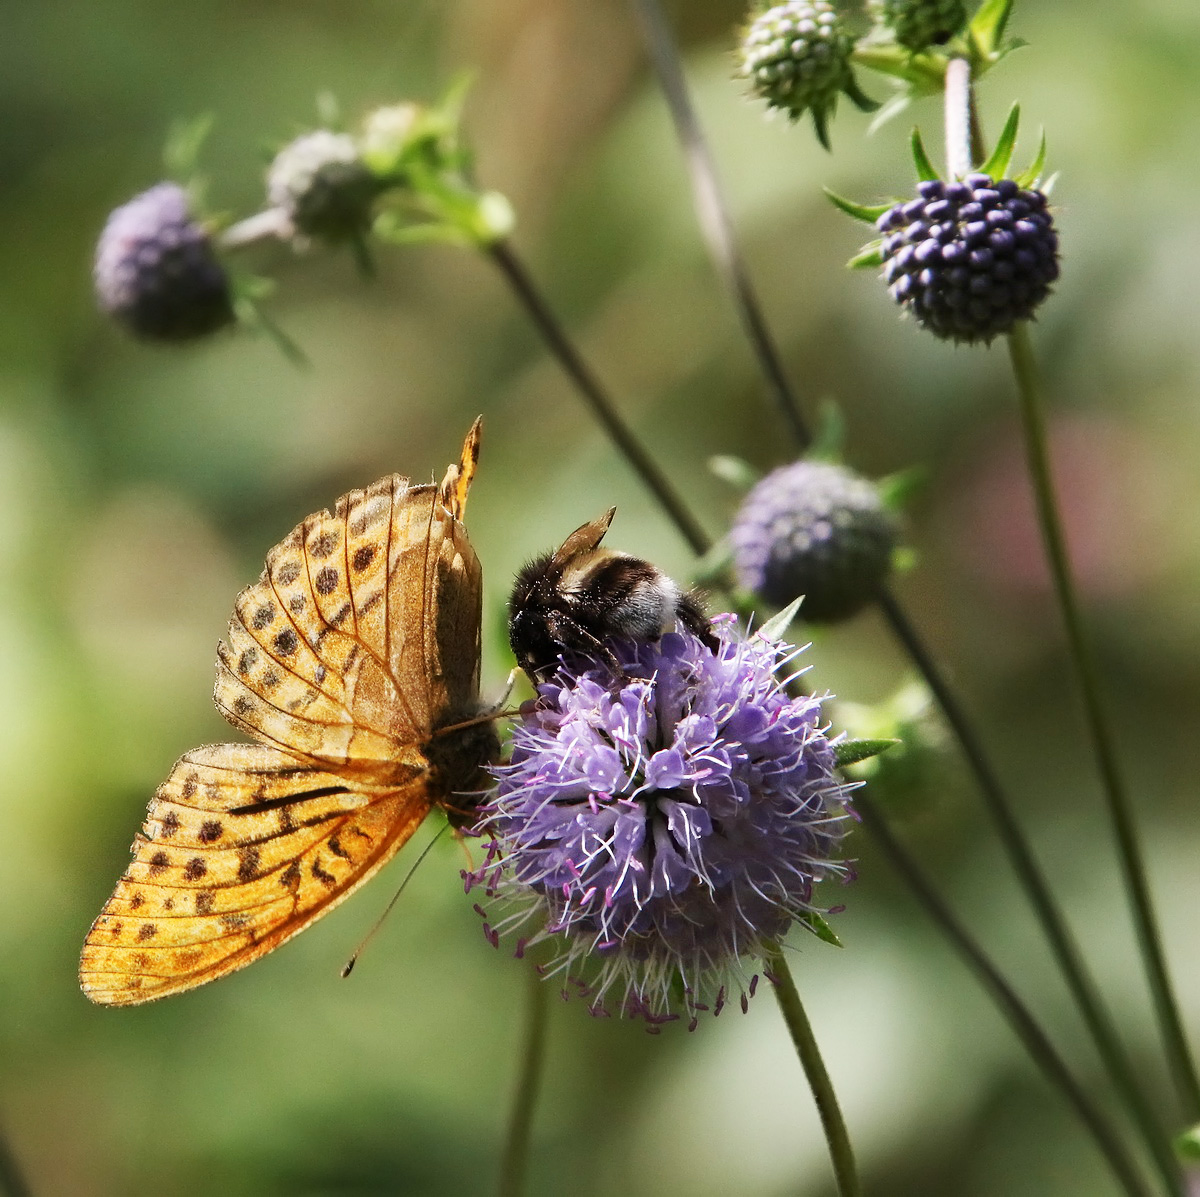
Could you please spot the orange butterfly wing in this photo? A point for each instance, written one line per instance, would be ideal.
(358, 642)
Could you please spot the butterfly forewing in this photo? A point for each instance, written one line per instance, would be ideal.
(359, 641)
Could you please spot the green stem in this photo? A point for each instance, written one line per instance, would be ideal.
(597, 397)
(1014, 1010)
(840, 1151)
(515, 1164)
(1100, 728)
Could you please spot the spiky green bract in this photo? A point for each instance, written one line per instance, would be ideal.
(323, 185)
(796, 56)
(814, 529)
(919, 24)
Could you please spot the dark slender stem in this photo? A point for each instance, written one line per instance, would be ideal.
(1015, 1012)
(713, 215)
(597, 398)
(1033, 880)
(1020, 853)
(515, 1164)
(834, 1125)
(12, 1179)
(1100, 728)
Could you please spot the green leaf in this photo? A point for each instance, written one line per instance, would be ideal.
(987, 26)
(871, 256)
(859, 98)
(185, 140)
(926, 171)
(820, 928)
(898, 489)
(999, 159)
(821, 127)
(867, 213)
(925, 73)
(736, 471)
(1187, 1145)
(850, 752)
(391, 227)
(830, 439)
(775, 629)
(1030, 177)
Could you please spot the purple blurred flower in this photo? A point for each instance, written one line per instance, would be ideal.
(666, 824)
(156, 270)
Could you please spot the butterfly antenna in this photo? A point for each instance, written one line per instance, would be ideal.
(348, 967)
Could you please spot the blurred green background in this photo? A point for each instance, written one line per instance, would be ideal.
(142, 487)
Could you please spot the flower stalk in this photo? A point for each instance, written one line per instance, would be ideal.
(800, 1029)
(514, 1165)
(1100, 729)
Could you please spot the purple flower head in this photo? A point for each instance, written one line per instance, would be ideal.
(156, 270)
(667, 823)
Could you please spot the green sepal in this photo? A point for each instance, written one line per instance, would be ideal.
(926, 171)
(850, 752)
(1031, 176)
(869, 257)
(819, 927)
(986, 30)
(867, 213)
(897, 490)
(775, 629)
(859, 98)
(821, 127)
(392, 228)
(998, 160)
(1187, 1145)
(829, 442)
(249, 313)
(924, 73)
(737, 471)
(891, 108)
(185, 140)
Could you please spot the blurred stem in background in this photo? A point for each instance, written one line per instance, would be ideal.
(12, 1179)
(514, 1165)
(800, 1029)
(718, 232)
(1100, 729)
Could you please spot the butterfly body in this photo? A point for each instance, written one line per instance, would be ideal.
(354, 664)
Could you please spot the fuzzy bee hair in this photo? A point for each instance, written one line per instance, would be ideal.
(579, 596)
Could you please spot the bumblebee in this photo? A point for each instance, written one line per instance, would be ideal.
(581, 595)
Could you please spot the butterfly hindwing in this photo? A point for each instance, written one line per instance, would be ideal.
(213, 885)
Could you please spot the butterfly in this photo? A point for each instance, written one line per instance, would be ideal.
(354, 664)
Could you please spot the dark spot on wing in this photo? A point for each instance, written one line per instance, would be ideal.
(264, 616)
(290, 877)
(136, 901)
(336, 848)
(159, 862)
(242, 705)
(271, 679)
(363, 557)
(247, 864)
(147, 931)
(204, 902)
(326, 879)
(195, 869)
(326, 580)
(297, 603)
(189, 787)
(170, 825)
(339, 616)
(210, 831)
(286, 642)
(289, 571)
(321, 546)
(246, 660)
